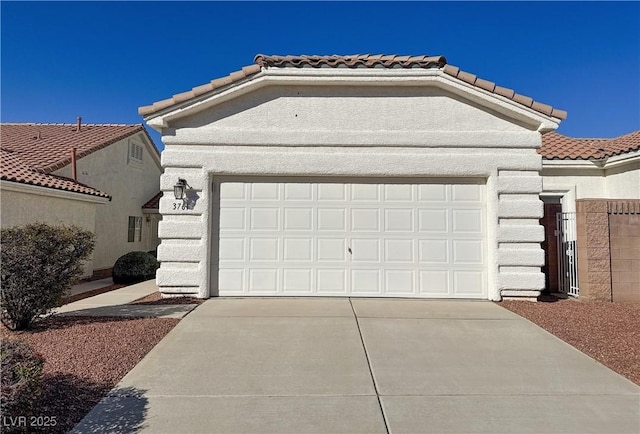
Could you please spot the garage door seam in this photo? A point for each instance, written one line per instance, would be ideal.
(366, 354)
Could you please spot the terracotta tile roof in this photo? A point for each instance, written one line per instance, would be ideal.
(352, 61)
(556, 146)
(153, 203)
(15, 170)
(47, 147)
(262, 61)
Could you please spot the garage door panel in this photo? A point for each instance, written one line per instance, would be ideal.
(365, 281)
(468, 283)
(332, 219)
(398, 220)
(432, 193)
(265, 191)
(331, 250)
(433, 220)
(400, 282)
(467, 252)
(297, 281)
(298, 249)
(231, 280)
(399, 251)
(365, 250)
(365, 220)
(434, 251)
(467, 221)
(434, 282)
(332, 192)
(263, 280)
(365, 192)
(466, 193)
(332, 281)
(232, 219)
(297, 192)
(265, 219)
(296, 237)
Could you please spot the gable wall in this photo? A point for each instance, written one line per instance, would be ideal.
(130, 187)
(394, 135)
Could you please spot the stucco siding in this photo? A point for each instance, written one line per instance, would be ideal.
(130, 186)
(354, 131)
(623, 182)
(21, 208)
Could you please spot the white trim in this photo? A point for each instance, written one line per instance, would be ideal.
(603, 164)
(51, 192)
(368, 77)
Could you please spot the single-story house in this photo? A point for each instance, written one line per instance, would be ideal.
(101, 177)
(593, 185)
(363, 175)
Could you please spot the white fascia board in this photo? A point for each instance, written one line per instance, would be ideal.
(619, 160)
(361, 77)
(615, 161)
(50, 192)
(570, 164)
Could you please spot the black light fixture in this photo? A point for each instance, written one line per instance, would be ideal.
(179, 188)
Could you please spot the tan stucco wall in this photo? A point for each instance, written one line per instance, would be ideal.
(20, 208)
(130, 187)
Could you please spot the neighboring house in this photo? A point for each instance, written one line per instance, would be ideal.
(389, 176)
(594, 185)
(97, 177)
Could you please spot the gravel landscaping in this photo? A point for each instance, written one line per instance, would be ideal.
(156, 299)
(607, 332)
(84, 358)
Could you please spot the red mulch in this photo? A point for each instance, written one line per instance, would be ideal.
(607, 332)
(84, 358)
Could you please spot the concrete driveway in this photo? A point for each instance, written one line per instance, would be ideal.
(364, 365)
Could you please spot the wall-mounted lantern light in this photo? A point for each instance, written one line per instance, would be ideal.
(179, 188)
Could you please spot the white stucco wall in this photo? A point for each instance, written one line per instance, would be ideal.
(21, 205)
(351, 131)
(574, 181)
(130, 186)
(623, 182)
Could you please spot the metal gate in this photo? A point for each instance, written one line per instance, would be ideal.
(567, 253)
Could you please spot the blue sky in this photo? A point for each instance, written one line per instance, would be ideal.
(102, 60)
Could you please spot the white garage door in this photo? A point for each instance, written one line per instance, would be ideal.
(310, 237)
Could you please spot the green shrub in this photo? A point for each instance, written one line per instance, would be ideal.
(39, 264)
(135, 267)
(21, 378)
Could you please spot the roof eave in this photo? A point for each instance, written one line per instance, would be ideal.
(362, 76)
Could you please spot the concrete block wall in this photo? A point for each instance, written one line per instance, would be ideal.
(624, 238)
(608, 244)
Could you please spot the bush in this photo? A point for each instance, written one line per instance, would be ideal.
(21, 378)
(39, 264)
(135, 267)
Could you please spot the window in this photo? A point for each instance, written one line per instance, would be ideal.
(135, 153)
(135, 229)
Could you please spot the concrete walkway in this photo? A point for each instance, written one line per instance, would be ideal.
(364, 365)
(116, 303)
(90, 286)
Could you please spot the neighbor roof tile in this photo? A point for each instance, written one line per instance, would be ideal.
(154, 202)
(555, 146)
(350, 61)
(47, 147)
(31, 152)
(15, 170)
